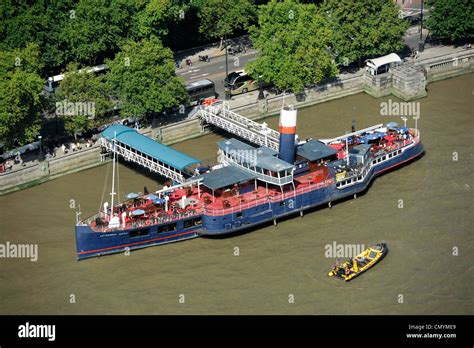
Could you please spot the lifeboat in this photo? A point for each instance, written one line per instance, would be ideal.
(360, 263)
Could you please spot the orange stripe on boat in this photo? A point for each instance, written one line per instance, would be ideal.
(287, 130)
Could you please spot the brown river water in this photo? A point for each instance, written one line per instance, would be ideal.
(280, 269)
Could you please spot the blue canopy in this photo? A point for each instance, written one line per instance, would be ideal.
(138, 212)
(151, 197)
(373, 136)
(392, 125)
(132, 195)
(403, 130)
(158, 201)
(148, 146)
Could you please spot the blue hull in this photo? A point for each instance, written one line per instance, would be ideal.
(90, 243)
(230, 223)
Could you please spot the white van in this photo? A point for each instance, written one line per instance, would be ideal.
(381, 65)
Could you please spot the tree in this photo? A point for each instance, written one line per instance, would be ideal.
(156, 16)
(451, 19)
(38, 22)
(83, 98)
(364, 28)
(142, 76)
(95, 29)
(221, 17)
(292, 40)
(20, 100)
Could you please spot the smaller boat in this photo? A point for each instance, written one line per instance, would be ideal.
(359, 264)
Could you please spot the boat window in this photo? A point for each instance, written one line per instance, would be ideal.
(238, 215)
(167, 228)
(282, 203)
(139, 233)
(192, 222)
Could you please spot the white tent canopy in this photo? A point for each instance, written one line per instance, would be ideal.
(388, 59)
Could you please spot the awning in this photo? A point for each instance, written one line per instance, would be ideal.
(314, 150)
(148, 146)
(225, 176)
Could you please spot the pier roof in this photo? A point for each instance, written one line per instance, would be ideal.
(148, 146)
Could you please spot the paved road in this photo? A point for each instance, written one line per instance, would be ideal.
(215, 69)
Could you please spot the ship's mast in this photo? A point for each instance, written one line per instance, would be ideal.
(112, 193)
(347, 149)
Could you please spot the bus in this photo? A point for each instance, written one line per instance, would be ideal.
(200, 90)
(239, 82)
(53, 82)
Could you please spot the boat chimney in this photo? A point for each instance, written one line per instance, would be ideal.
(287, 134)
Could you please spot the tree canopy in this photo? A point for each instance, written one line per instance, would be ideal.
(363, 28)
(21, 102)
(451, 19)
(142, 75)
(220, 17)
(88, 93)
(292, 40)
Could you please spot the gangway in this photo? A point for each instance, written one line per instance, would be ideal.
(220, 115)
(140, 149)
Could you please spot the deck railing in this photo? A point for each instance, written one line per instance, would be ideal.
(150, 220)
(268, 199)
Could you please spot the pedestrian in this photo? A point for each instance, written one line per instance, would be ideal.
(416, 54)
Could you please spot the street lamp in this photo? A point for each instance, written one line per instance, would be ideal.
(260, 88)
(420, 42)
(41, 146)
(226, 80)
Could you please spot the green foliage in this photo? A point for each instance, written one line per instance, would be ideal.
(20, 101)
(157, 16)
(451, 19)
(39, 22)
(94, 29)
(364, 28)
(292, 40)
(80, 86)
(220, 17)
(142, 75)
(27, 59)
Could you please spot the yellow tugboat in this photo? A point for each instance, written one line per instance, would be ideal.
(359, 264)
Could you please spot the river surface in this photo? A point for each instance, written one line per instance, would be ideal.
(280, 269)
